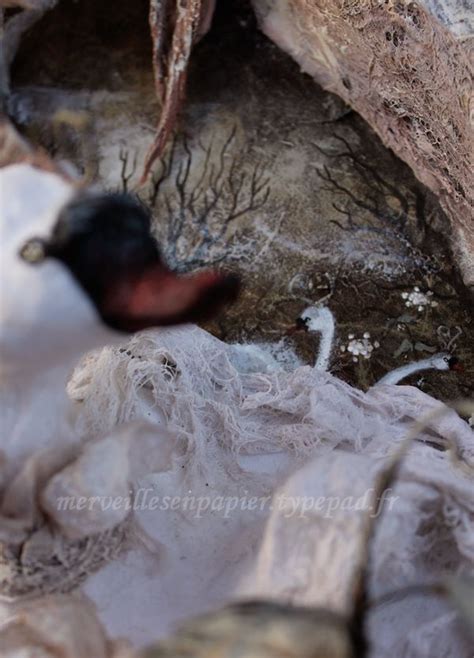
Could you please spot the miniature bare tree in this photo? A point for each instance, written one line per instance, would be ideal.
(198, 209)
(373, 211)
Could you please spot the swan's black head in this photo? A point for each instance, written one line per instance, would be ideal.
(454, 363)
(98, 237)
(302, 324)
(106, 243)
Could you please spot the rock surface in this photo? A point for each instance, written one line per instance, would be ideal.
(408, 70)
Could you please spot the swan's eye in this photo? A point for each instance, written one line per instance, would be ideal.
(33, 251)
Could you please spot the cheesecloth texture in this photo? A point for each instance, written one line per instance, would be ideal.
(272, 481)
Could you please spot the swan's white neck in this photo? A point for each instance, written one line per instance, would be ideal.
(397, 375)
(325, 347)
(325, 326)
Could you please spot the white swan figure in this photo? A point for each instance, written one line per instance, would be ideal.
(319, 319)
(440, 361)
(275, 357)
(78, 272)
(46, 320)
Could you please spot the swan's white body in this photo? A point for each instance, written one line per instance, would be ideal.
(46, 321)
(274, 357)
(280, 463)
(46, 324)
(437, 362)
(45, 318)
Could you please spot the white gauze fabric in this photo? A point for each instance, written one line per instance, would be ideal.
(278, 439)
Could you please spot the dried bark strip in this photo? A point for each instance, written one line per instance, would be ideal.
(170, 85)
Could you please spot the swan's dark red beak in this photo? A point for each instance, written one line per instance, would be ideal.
(106, 243)
(158, 297)
(455, 364)
(299, 326)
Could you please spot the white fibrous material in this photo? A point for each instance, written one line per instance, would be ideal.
(192, 382)
(306, 448)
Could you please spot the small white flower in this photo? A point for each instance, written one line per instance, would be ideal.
(418, 299)
(360, 346)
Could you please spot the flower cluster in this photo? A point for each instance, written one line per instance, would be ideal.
(418, 299)
(360, 347)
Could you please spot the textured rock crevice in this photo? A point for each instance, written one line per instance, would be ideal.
(407, 74)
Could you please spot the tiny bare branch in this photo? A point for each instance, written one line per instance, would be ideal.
(199, 207)
(126, 175)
